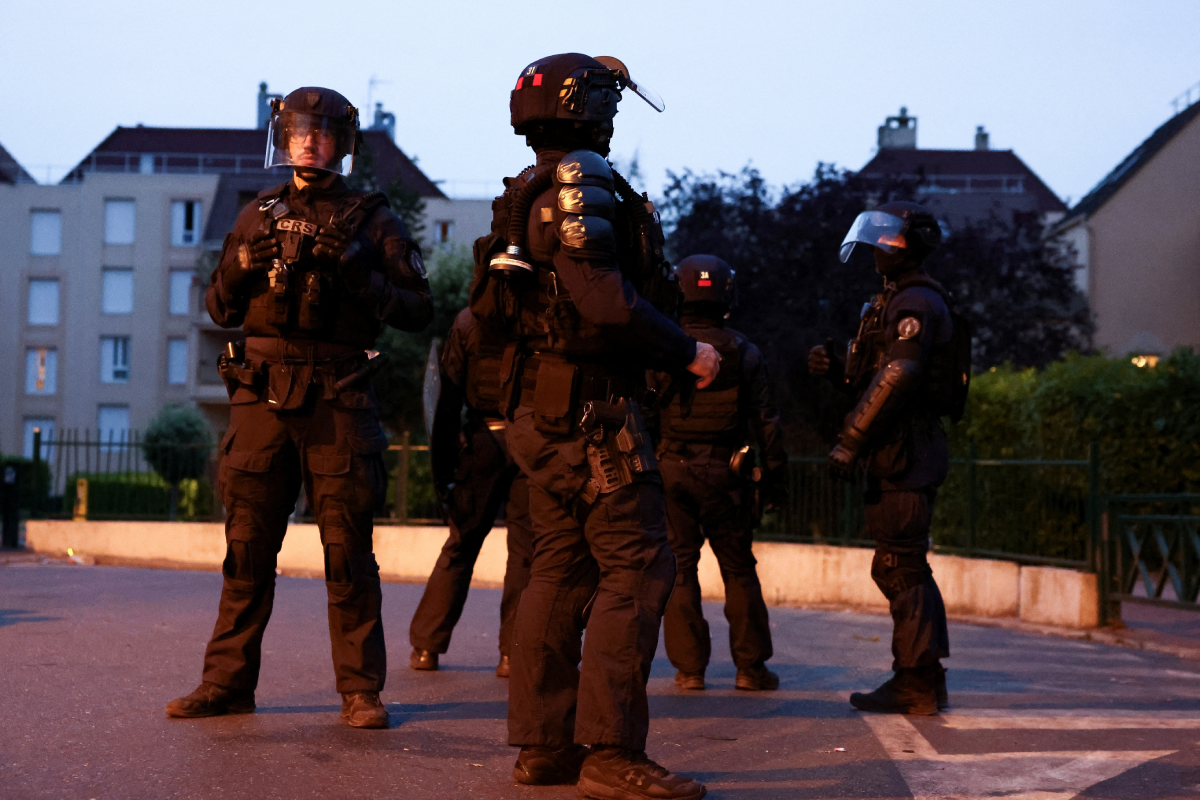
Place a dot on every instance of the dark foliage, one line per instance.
(177, 443)
(1015, 288)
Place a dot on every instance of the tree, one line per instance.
(177, 446)
(1014, 285)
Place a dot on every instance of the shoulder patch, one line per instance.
(908, 327)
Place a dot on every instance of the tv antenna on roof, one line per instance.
(371, 84)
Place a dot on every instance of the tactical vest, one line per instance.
(948, 374)
(298, 297)
(715, 412)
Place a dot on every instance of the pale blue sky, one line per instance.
(1072, 87)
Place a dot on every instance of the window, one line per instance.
(146, 164)
(442, 231)
(177, 359)
(181, 291)
(46, 426)
(185, 223)
(43, 302)
(116, 296)
(45, 233)
(41, 370)
(113, 422)
(118, 221)
(114, 359)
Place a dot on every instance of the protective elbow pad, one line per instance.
(586, 204)
(887, 392)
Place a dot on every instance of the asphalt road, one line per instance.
(90, 655)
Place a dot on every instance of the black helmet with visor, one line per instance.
(313, 128)
(898, 225)
(573, 87)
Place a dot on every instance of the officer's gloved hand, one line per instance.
(705, 365)
(329, 246)
(253, 258)
(824, 363)
(841, 460)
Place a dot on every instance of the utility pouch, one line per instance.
(287, 385)
(278, 278)
(310, 302)
(231, 366)
(553, 397)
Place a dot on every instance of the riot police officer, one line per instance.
(564, 279)
(713, 486)
(475, 477)
(907, 369)
(311, 272)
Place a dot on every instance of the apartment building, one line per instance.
(101, 275)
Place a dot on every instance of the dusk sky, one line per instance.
(1071, 87)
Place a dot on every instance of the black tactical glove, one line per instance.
(355, 271)
(330, 245)
(252, 258)
(823, 362)
(842, 459)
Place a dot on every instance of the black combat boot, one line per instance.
(210, 700)
(504, 668)
(363, 710)
(614, 773)
(943, 697)
(756, 679)
(689, 681)
(908, 691)
(549, 766)
(423, 660)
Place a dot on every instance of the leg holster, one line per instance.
(896, 573)
(619, 448)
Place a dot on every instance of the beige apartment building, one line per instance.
(1137, 237)
(101, 301)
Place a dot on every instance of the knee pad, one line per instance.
(896, 573)
(238, 564)
(338, 567)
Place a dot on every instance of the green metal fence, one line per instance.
(1149, 552)
(1033, 511)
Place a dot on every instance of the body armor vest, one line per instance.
(715, 413)
(299, 297)
(948, 372)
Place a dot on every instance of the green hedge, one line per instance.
(134, 495)
(26, 476)
(1145, 420)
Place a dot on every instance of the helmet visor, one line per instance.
(300, 139)
(876, 228)
(640, 89)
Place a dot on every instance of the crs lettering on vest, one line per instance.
(294, 231)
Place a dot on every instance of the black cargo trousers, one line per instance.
(486, 480)
(332, 447)
(705, 499)
(898, 521)
(609, 569)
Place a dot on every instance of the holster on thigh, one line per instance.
(896, 573)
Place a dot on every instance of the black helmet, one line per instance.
(306, 117)
(898, 225)
(706, 279)
(569, 86)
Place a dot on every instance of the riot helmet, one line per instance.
(313, 128)
(893, 227)
(572, 88)
(706, 279)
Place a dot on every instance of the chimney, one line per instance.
(384, 121)
(264, 105)
(981, 138)
(899, 132)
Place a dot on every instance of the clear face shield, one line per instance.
(315, 141)
(627, 81)
(876, 228)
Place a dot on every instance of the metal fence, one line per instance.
(1028, 510)
(1149, 552)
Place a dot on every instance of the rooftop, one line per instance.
(1133, 162)
(224, 151)
(11, 171)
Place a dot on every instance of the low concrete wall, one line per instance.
(791, 574)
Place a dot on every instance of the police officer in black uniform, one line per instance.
(905, 369)
(311, 272)
(713, 486)
(564, 279)
(475, 478)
